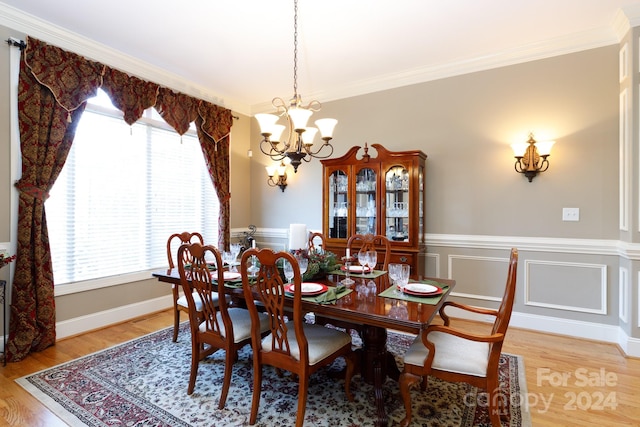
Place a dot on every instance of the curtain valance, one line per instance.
(73, 79)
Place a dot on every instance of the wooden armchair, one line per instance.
(217, 326)
(292, 344)
(455, 355)
(180, 302)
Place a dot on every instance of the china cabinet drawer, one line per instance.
(402, 258)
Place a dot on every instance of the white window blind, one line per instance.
(122, 192)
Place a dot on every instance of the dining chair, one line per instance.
(367, 242)
(454, 355)
(219, 326)
(316, 241)
(292, 344)
(180, 302)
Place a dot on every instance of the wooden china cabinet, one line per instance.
(379, 195)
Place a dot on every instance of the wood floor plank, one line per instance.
(554, 401)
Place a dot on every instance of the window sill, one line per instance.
(103, 282)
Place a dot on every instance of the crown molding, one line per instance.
(65, 39)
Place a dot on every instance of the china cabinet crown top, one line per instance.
(351, 156)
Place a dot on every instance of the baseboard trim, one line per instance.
(571, 328)
(101, 319)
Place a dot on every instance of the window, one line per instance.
(122, 192)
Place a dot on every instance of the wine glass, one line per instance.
(288, 271)
(372, 260)
(303, 263)
(227, 258)
(363, 259)
(394, 275)
(235, 251)
(403, 280)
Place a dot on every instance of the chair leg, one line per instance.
(303, 385)
(226, 382)
(195, 361)
(176, 314)
(348, 375)
(257, 389)
(496, 404)
(406, 381)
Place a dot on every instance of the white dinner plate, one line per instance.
(308, 288)
(230, 275)
(356, 269)
(421, 288)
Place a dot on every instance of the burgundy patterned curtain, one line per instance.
(53, 88)
(214, 124)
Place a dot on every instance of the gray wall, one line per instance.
(477, 206)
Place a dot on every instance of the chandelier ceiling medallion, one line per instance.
(299, 145)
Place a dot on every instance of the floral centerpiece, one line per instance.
(320, 263)
(4, 260)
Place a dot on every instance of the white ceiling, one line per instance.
(240, 52)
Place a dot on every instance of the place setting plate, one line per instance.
(230, 275)
(421, 290)
(356, 269)
(307, 288)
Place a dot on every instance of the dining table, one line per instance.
(371, 305)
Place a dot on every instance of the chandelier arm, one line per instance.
(273, 151)
(316, 154)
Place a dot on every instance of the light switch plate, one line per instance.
(571, 214)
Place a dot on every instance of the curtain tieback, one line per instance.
(32, 190)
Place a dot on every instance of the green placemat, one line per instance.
(237, 283)
(373, 275)
(330, 297)
(390, 292)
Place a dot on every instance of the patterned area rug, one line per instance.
(144, 383)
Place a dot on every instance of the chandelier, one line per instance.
(299, 144)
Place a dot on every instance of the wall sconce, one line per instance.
(279, 172)
(531, 156)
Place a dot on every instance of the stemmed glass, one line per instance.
(394, 275)
(363, 259)
(235, 251)
(288, 270)
(227, 258)
(372, 260)
(303, 263)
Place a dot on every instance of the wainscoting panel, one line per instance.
(623, 302)
(478, 277)
(566, 286)
(432, 265)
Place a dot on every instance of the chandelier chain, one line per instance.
(295, 50)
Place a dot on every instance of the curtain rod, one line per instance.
(16, 43)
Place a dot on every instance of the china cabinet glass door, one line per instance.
(397, 204)
(338, 204)
(366, 196)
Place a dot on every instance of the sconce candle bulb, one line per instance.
(532, 157)
(280, 173)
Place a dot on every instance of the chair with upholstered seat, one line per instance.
(180, 302)
(316, 242)
(292, 345)
(218, 326)
(458, 356)
(370, 242)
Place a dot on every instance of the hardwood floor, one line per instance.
(570, 382)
